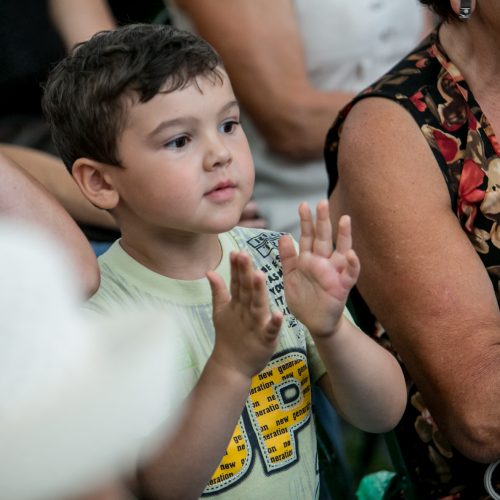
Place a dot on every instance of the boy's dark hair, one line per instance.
(441, 7)
(85, 96)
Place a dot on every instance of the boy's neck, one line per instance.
(183, 258)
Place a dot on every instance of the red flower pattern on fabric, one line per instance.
(416, 100)
(473, 123)
(447, 145)
(469, 193)
(422, 63)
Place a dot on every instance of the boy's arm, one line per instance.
(246, 337)
(364, 381)
(185, 464)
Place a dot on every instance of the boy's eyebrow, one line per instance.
(183, 120)
(166, 124)
(229, 105)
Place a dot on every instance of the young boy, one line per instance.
(146, 120)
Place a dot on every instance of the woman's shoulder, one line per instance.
(406, 83)
(394, 112)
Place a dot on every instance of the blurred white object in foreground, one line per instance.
(77, 398)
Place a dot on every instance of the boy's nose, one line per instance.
(217, 154)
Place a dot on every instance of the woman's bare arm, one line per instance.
(24, 198)
(51, 172)
(78, 20)
(420, 274)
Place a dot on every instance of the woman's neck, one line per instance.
(474, 47)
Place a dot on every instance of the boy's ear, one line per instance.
(95, 183)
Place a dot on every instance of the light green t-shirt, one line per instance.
(272, 453)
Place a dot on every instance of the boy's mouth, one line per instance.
(222, 191)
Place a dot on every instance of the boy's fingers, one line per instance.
(246, 278)
(274, 325)
(220, 295)
(353, 264)
(286, 251)
(323, 244)
(235, 279)
(339, 262)
(259, 298)
(344, 239)
(306, 228)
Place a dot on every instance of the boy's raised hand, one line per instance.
(246, 332)
(319, 279)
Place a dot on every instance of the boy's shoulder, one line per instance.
(124, 282)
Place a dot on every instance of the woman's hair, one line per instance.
(441, 7)
(87, 95)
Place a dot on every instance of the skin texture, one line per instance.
(24, 198)
(421, 276)
(180, 148)
(52, 173)
(78, 20)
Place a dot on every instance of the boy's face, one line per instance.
(187, 163)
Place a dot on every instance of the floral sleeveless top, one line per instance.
(430, 87)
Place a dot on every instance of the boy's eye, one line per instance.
(229, 126)
(177, 143)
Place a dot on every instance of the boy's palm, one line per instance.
(246, 332)
(318, 280)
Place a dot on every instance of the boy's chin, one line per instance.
(224, 225)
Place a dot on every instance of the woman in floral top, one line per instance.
(415, 161)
